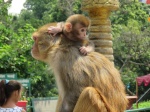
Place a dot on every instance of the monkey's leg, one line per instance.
(91, 101)
(59, 103)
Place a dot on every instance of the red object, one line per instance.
(143, 79)
(147, 1)
(22, 104)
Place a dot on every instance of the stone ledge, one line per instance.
(102, 43)
(102, 28)
(100, 35)
(95, 22)
(105, 51)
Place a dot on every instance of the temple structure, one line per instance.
(100, 30)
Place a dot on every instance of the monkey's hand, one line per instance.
(84, 50)
(54, 30)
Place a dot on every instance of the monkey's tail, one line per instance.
(109, 108)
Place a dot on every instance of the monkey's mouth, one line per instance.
(34, 50)
(82, 38)
(34, 54)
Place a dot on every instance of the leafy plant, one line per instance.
(144, 104)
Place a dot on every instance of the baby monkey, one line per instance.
(75, 28)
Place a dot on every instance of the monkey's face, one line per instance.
(42, 44)
(80, 31)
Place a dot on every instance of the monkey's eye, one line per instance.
(82, 30)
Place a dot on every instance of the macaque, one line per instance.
(75, 28)
(88, 83)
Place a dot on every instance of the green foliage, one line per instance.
(142, 104)
(131, 10)
(41, 12)
(70, 7)
(16, 58)
(53, 13)
(4, 11)
(131, 41)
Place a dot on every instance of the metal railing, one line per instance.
(139, 110)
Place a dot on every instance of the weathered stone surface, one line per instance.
(99, 13)
(100, 35)
(111, 4)
(102, 43)
(102, 28)
(103, 50)
(95, 22)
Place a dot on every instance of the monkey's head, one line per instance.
(76, 27)
(43, 43)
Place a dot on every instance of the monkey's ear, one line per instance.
(68, 27)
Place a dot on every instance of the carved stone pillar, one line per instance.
(100, 30)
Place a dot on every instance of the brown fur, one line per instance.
(72, 26)
(75, 29)
(78, 18)
(88, 83)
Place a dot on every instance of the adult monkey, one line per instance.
(88, 83)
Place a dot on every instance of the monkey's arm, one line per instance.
(89, 47)
(56, 29)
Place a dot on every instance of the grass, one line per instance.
(144, 104)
